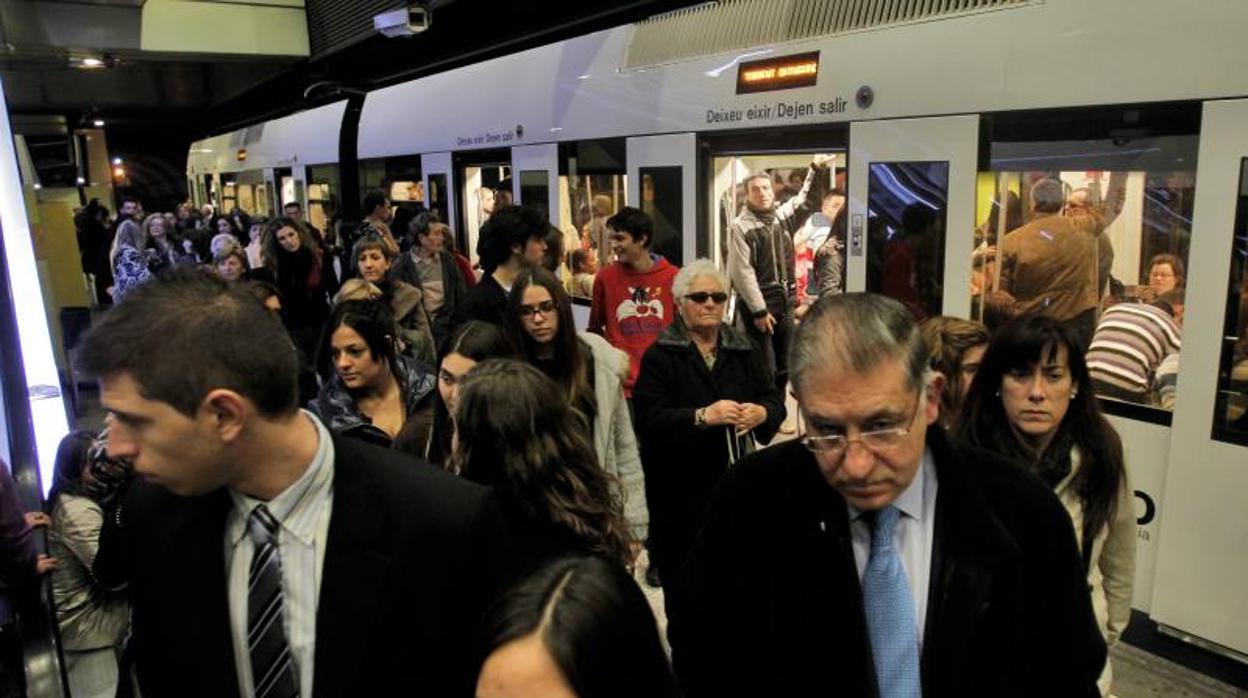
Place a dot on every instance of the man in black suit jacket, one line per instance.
(772, 598)
(200, 384)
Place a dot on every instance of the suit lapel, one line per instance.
(354, 578)
(202, 538)
(970, 546)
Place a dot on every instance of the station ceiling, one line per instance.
(189, 95)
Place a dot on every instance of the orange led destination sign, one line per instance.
(787, 72)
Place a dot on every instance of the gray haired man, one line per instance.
(883, 558)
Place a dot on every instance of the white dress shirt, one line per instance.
(303, 509)
(912, 537)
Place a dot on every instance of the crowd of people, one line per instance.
(418, 478)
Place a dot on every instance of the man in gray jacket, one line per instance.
(761, 260)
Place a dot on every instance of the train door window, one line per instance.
(436, 196)
(906, 204)
(661, 200)
(592, 185)
(535, 190)
(323, 196)
(819, 228)
(1095, 232)
(1230, 421)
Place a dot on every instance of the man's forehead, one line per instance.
(834, 391)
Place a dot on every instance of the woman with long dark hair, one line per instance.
(577, 627)
(468, 346)
(1032, 399)
(591, 373)
(370, 390)
(515, 432)
(304, 278)
(93, 620)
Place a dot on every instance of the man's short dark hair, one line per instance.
(189, 332)
(292, 204)
(373, 199)
(510, 225)
(635, 222)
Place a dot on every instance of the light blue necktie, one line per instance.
(890, 613)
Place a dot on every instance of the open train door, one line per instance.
(1199, 592)
(661, 175)
(911, 201)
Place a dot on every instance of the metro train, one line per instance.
(949, 104)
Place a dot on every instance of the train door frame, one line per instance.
(670, 150)
(952, 139)
(460, 161)
(1200, 555)
(818, 138)
(542, 157)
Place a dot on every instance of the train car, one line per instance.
(945, 105)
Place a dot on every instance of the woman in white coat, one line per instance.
(539, 321)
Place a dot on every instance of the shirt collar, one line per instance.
(911, 500)
(302, 493)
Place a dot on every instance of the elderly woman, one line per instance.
(703, 397)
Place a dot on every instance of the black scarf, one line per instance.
(767, 217)
(1054, 464)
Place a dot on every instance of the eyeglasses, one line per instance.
(719, 297)
(545, 308)
(875, 440)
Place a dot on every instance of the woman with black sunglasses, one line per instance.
(703, 397)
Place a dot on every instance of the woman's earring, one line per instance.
(1073, 393)
(998, 393)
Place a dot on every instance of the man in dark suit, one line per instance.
(264, 556)
(875, 557)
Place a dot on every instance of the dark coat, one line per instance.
(412, 559)
(337, 409)
(683, 462)
(454, 289)
(487, 302)
(770, 603)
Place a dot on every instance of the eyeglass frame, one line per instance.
(810, 442)
(528, 311)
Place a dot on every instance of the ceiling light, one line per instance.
(117, 161)
(38, 186)
(98, 123)
(92, 62)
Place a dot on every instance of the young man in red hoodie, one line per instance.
(633, 300)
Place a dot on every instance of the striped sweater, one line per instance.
(1130, 342)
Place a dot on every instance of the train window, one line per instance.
(592, 185)
(906, 206)
(1095, 224)
(1104, 251)
(398, 176)
(535, 190)
(661, 199)
(821, 231)
(1230, 417)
